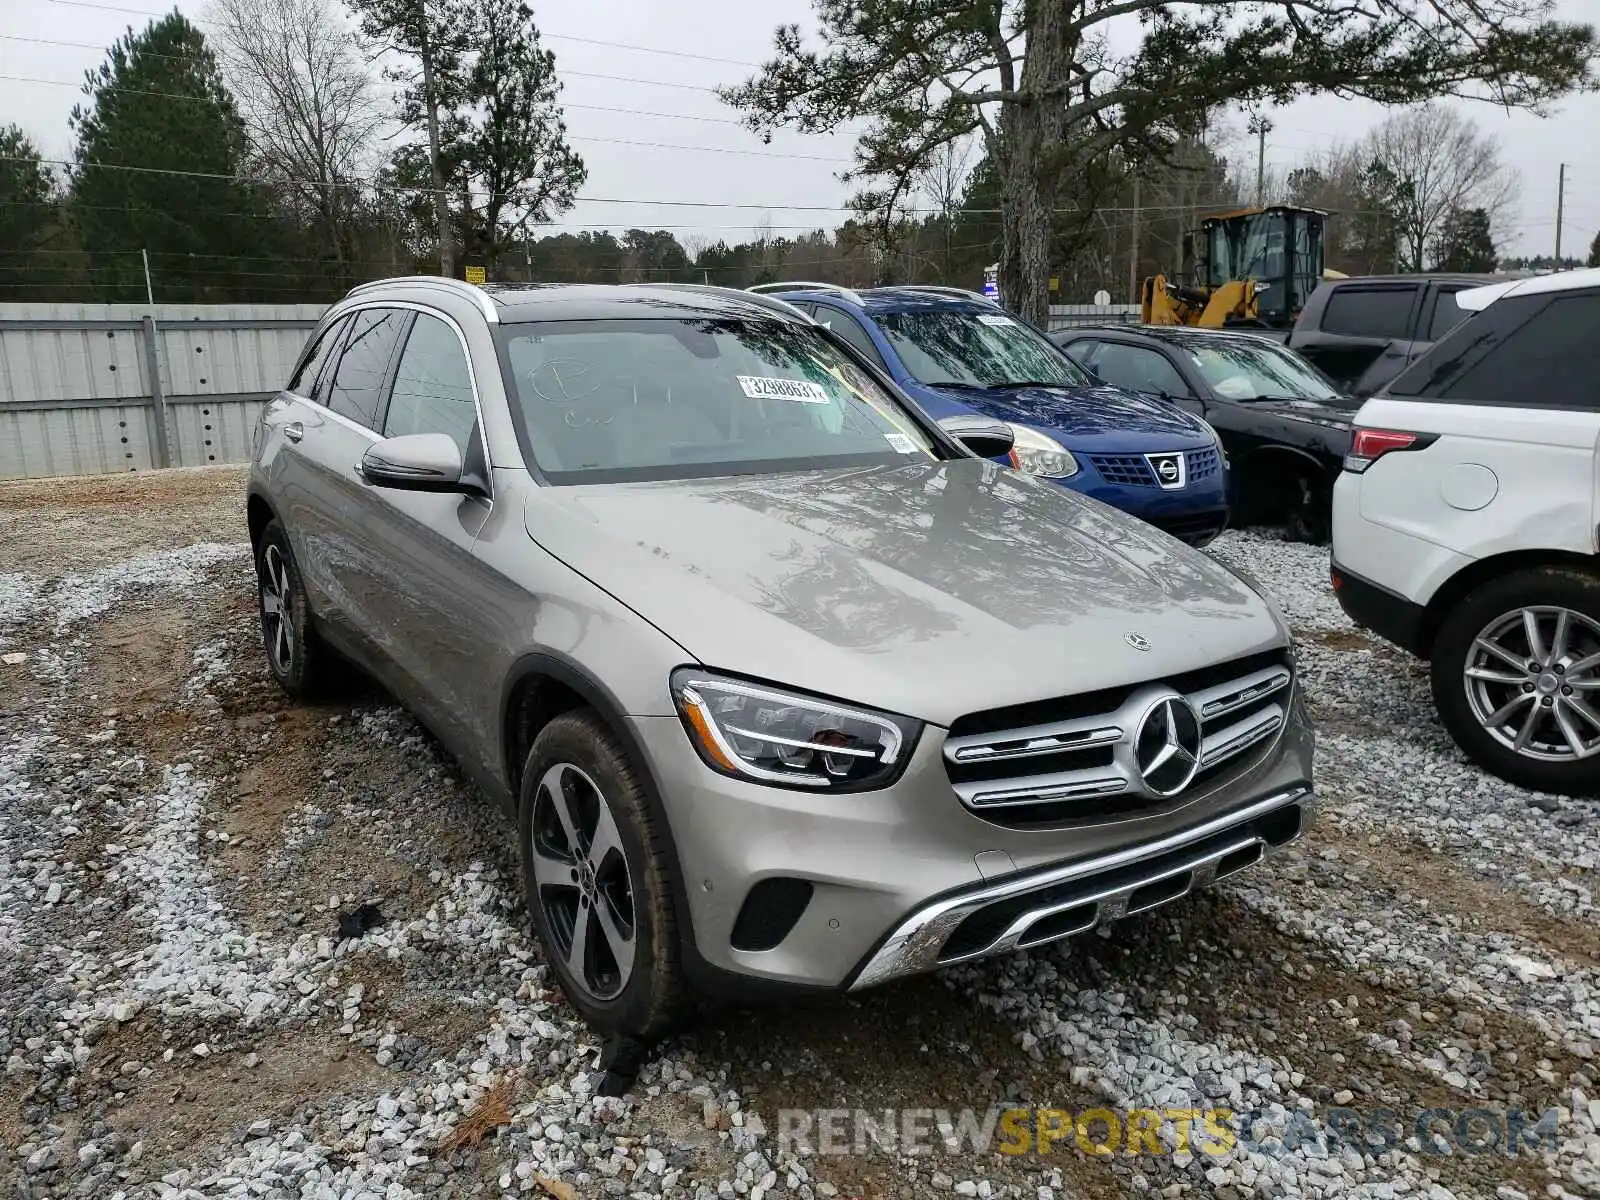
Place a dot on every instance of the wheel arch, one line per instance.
(259, 513)
(1481, 571)
(1260, 478)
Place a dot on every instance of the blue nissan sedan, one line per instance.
(954, 352)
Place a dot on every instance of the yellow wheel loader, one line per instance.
(1258, 266)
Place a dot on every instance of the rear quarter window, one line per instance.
(1369, 312)
(1538, 351)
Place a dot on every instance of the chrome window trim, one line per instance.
(472, 375)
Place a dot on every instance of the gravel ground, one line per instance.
(181, 1017)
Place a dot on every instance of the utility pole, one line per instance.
(1133, 252)
(1260, 126)
(1561, 204)
(430, 100)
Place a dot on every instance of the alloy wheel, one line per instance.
(583, 884)
(1532, 678)
(276, 621)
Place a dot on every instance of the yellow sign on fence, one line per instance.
(476, 275)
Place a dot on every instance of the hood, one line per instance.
(1096, 418)
(931, 589)
(1337, 414)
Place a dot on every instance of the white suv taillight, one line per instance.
(1369, 445)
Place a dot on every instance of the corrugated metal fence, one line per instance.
(1068, 316)
(88, 389)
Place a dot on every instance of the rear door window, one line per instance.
(1538, 351)
(1370, 312)
(364, 364)
(305, 376)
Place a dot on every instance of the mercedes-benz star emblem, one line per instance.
(1166, 748)
(1137, 640)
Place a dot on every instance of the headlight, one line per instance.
(754, 732)
(1038, 454)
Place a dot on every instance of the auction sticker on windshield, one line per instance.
(901, 443)
(802, 391)
(994, 319)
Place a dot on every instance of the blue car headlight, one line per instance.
(1039, 454)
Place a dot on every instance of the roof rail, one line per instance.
(761, 301)
(937, 290)
(806, 285)
(459, 286)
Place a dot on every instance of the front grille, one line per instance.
(1075, 759)
(1134, 470)
(1124, 468)
(1203, 464)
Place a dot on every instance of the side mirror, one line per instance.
(417, 462)
(984, 436)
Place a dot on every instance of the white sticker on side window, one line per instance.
(994, 319)
(901, 443)
(802, 391)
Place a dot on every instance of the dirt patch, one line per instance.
(191, 1102)
(1340, 639)
(53, 526)
(1481, 905)
(910, 1045)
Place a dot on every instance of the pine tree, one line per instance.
(159, 146)
(1465, 242)
(28, 216)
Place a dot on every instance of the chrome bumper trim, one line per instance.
(916, 945)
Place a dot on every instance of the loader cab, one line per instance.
(1279, 247)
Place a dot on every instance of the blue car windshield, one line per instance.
(968, 348)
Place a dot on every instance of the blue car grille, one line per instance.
(1124, 468)
(1203, 464)
(1134, 471)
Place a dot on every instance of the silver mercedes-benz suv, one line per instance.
(785, 685)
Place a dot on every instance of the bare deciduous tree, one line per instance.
(1442, 163)
(311, 109)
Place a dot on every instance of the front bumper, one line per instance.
(848, 886)
(1043, 906)
(1195, 513)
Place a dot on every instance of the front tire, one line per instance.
(596, 874)
(1310, 515)
(1516, 677)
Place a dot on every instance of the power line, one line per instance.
(564, 72)
(630, 112)
(555, 37)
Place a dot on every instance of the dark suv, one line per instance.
(1363, 332)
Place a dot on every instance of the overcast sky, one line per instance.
(789, 185)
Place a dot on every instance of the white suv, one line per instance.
(1466, 527)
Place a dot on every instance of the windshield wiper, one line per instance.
(957, 384)
(1022, 383)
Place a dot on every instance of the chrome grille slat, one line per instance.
(1062, 767)
(1058, 737)
(1239, 737)
(1228, 697)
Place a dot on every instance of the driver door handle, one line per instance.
(294, 431)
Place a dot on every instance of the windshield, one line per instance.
(1240, 370)
(601, 401)
(968, 348)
